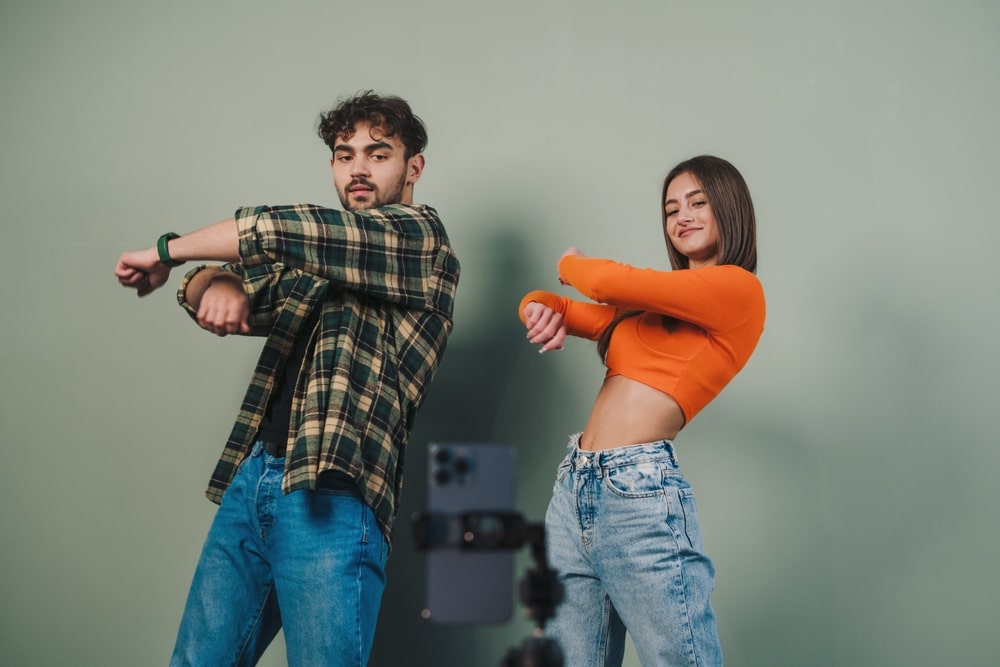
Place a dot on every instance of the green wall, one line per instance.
(846, 479)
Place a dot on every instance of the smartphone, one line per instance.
(470, 585)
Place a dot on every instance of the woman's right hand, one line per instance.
(545, 326)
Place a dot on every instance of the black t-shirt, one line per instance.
(274, 425)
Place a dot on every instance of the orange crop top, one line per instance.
(721, 313)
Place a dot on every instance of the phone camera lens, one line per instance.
(442, 476)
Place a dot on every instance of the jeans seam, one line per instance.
(254, 625)
(605, 637)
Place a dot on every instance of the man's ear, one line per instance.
(414, 168)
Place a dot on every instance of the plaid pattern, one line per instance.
(384, 281)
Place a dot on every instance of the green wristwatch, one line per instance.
(161, 249)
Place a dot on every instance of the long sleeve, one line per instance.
(583, 320)
(399, 254)
(715, 298)
(267, 286)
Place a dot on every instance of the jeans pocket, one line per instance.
(562, 470)
(636, 480)
(692, 527)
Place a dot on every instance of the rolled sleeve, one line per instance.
(251, 226)
(186, 280)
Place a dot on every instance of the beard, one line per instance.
(372, 199)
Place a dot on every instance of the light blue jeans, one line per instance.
(313, 561)
(623, 533)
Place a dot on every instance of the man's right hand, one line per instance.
(224, 307)
(141, 270)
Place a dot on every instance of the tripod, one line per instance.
(541, 593)
(540, 590)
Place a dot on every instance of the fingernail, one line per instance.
(542, 351)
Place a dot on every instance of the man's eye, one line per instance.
(379, 157)
(344, 158)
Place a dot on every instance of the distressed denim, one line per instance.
(310, 561)
(622, 531)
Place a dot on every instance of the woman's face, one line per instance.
(691, 225)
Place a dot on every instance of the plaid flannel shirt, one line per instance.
(384, 281)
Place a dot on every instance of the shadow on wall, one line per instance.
(483, 392)
(847, 519)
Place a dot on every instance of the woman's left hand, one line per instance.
(570, 252)
(545, 327)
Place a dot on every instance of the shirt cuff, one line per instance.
(251, 226)
(549, 299)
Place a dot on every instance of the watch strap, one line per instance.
(164, 254)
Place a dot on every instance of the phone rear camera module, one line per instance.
(451, 466)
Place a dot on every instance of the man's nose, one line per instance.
(359, 166)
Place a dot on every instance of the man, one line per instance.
(356, 306)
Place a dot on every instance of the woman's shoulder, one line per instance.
(730, 275)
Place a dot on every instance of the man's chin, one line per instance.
(354, 203)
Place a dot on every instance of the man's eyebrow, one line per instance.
(378, 145)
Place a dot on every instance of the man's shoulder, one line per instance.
(407, 210)
(409, 218)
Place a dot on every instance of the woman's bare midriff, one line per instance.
(627, 412)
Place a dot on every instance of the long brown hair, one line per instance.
(729, 196)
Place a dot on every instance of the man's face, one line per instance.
(370, 170)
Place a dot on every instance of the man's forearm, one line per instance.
(201, 281)
(218, 242)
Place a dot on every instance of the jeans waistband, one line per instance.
(327, 479)
(619, 456)
(273, 448)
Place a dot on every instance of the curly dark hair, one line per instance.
(390, 114)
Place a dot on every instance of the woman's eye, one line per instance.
(671, 212)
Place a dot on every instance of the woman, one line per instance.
(621, 528)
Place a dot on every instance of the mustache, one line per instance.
(361, 181)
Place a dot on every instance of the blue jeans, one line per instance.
(623, 533)
(313, 561)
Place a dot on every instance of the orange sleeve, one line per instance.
(583, 320)
(715, 298)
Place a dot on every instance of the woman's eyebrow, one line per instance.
(687, 195)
